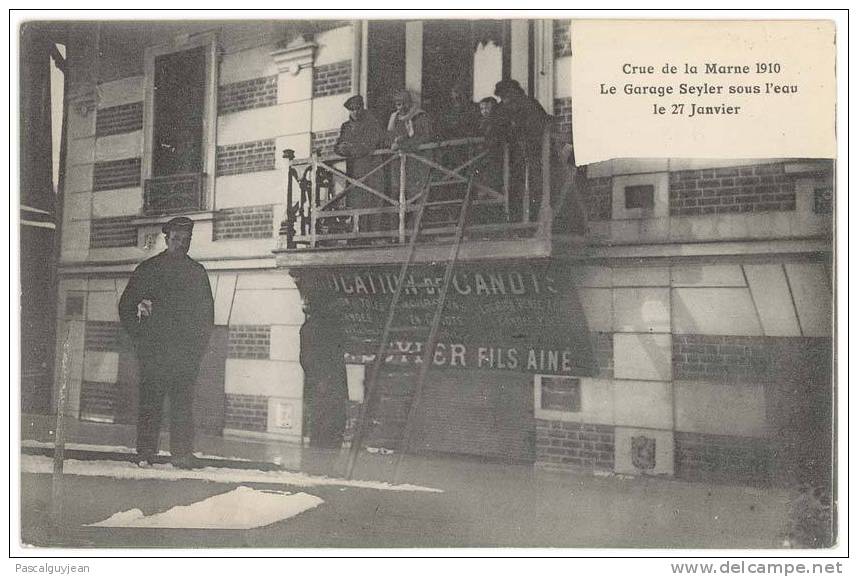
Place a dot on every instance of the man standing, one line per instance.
(527, 121)
(360, 135)
(168, 310)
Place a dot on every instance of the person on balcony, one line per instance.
(409, 126)
(462, 118)
(527, 122)
(359, 137)
(495, 129)
(168, 310)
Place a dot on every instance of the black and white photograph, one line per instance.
(388, 283)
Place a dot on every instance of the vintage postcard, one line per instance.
(531, 281)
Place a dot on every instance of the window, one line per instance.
(640, 196)
(179, 125)
(178, 122)
(560, 394)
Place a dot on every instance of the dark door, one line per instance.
(448, 60)
(386, 70)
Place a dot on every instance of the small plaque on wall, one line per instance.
(560, 393)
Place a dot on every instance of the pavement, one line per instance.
(438, 501)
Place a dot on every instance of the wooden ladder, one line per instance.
(390, 327)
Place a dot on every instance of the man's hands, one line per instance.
(144, 309)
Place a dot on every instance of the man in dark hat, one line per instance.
(360, 135)
(168, 310)
(527, 121)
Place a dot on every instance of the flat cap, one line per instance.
(180, 222)
(354, 103)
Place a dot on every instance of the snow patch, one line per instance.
(124, 470)
(241, 508)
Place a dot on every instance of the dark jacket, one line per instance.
(359, 137)
(526, 119)
(179, 327)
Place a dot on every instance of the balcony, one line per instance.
(365, 214)
(174, 193)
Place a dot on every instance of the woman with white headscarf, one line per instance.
(409, 126)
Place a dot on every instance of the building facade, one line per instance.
(701, 290)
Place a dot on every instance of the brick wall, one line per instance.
(109, 175)
(332, 79)
(760, 188)
(598, 193)
(823, 200)
(244, 223)
(563, 118)
(119, 119)
(603, 349)
(722, 357)
(97, 401)
(253, 93)
(105, 336)
(723, 458)
(249, 342)
(324, 141)
(112, 232)
(574, 445)
(245, 412)
(562, 38)
(246, 157)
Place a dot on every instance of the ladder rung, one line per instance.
(437, 223)
(445, 183)
(458, 201)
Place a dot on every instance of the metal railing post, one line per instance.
(314, 196)
(402, 197)
(289, 217)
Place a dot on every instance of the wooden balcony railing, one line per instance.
(174, 193)
(327, 206)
